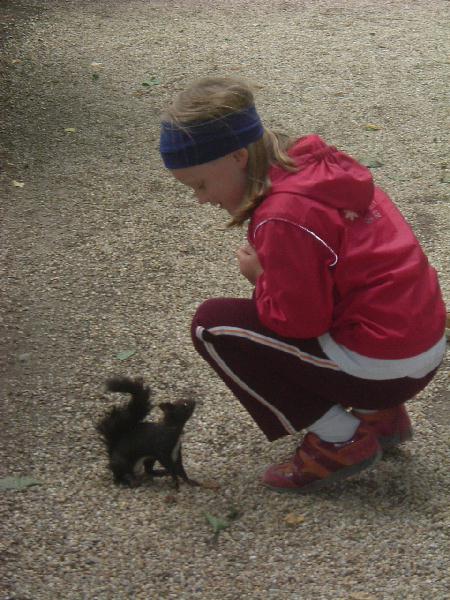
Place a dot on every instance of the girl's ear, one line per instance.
(241, 157)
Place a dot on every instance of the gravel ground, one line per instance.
(104, 253)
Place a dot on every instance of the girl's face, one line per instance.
(221, 182)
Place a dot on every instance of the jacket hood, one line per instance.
(326, 175)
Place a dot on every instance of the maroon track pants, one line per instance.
(285, 384)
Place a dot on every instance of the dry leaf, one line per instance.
(170, 499)
(293, 519)
(70, 129)
(209, 484)
(18, 184)
(372, 127)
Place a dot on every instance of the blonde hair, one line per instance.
(212, 98)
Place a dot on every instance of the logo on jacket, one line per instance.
(351, 215)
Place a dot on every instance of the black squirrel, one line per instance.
(131, 443)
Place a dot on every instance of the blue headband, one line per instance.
(200, 142)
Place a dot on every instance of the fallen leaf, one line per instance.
(18, 184)
(125, 354)
(17, 483)
(170, 499)
(70, 129)
(371, 162)
(209, 484)
(152, 81)
(97, 65)
(372, 127)
(218, 524)
(293, 519)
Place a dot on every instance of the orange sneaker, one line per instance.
(392, 426)
(317, 463)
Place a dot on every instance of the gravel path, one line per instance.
(103, 253)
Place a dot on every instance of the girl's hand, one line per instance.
(249, 264)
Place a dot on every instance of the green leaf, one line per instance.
(371, 162)
(152, 81)
(445, 177)
(95, 76)
(17, 483)
(217, 523)
(125, 354)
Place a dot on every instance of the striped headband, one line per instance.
(196, 143)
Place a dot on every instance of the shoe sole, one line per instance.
(337, 476)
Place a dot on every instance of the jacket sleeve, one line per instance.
(294, 295)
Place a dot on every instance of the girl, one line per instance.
(346, 321)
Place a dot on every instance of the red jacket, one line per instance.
(339, 259)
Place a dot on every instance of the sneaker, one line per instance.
(317, 463)
(392, 426)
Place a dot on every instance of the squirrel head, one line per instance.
(178, 412)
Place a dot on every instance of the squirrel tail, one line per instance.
(120, 419)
